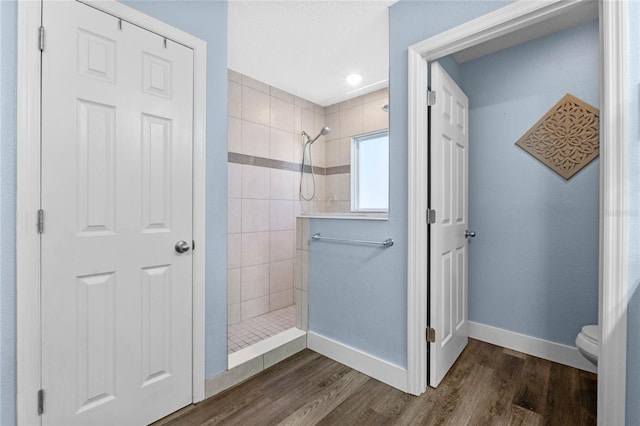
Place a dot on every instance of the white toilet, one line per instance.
(587, 343)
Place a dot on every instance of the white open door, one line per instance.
(117, 124)
(449, 160)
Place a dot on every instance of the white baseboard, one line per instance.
(556, 352)
(377, 368)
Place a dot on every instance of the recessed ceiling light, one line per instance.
(354, 79)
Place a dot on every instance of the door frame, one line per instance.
(28, 254)
(613, 187)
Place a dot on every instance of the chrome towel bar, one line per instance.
(386, 243)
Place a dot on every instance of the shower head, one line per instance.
(325, 131)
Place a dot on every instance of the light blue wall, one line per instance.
(206, 20)
(358, 295)
(533, 268)
(633, 319)
(8, 58)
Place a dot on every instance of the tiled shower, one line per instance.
(264, 158)
(265, 152)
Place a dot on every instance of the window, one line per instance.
(370, 172)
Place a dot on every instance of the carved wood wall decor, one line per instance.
(566, 138)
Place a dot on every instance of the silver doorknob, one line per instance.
(182, 247)
(469, 234)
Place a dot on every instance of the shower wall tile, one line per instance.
(234, 129)
(282, 114)
(281, 215)
(281, 245)
(234, 76)
(281, 276)
(350, 103)
(281, 145)
(307, 122)
(317, 152)
(255, 139)
(378, 94)
(266, 123)
(304, 103)
(254, 307)
(234, 102)
(234, 188)
(255, 84)
(345, 152)
(255, 182)
(280, 300)
(255, 215)
(282, 184)
(233, 286)
(332, 109)
(234, 251)
(333, 121)
(332, 188)
(332, 153)
(255, 248)
(374, 118)
(351, 122)
(345, 187)
(233, 313)
(255, 106)
(281, 94)
(254, 282)
(234, 216)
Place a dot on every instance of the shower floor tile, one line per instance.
(246, 333)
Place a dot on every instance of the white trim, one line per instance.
(27, 204)
(613, 165)
(545, 349)
(418, 253)
(612, 315)
(377, 368)
(28, 201)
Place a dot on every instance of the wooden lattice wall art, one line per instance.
(567, 138)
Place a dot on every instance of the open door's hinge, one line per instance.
(431, 98)
(431, 335)
(41, 38)
(40, 402)
(431, 216)
(40, 221)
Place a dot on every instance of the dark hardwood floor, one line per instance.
(488, 385)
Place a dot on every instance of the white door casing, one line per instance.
(613, 259)
(117, 134)
(449, 142)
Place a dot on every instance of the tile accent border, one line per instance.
(250, 160)
(338, 170)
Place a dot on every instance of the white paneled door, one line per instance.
(449, 142)
(117, 119)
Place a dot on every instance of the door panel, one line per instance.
(117, 111)
(449, 141)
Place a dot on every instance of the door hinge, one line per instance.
(41, 38)
(431, 216)
(40, 402)
(40, 221)
(431, 335)
(431, 98)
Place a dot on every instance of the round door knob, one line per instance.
(469, 234)
(182, 247)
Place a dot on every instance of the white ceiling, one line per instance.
(308, 47)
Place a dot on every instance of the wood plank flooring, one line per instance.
(488, 385)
